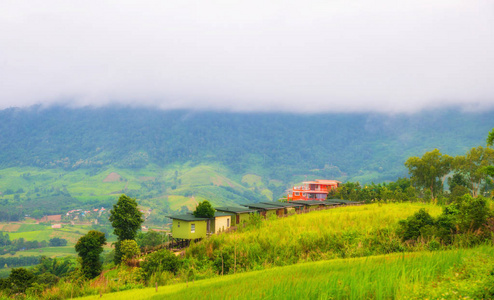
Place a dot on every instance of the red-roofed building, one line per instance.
(313, 190)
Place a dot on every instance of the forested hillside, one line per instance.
(172, 159)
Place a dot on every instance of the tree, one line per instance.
(204, 210)
(129, 250)
(490, 138)
(57, 242)
(89, 248)
(457, 180)
(413, 227)
(20, 279)
(427, 171)
(489, 170)
(473, 164)
(150, 239)
(126, 220)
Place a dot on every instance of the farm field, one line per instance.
(40, 232)
(452, 274)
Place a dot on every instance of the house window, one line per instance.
(192, 228)
(227, 222)
(297, 193)
(178, 224)
(304, 194)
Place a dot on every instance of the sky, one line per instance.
(290, 56)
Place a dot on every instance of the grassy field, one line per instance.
(353, 231)
(446, 275)
(39, 232)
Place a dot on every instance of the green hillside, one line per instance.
(56, 159)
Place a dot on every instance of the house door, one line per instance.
(237, 219)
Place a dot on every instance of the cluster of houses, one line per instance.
(78, 214)
(189, 227)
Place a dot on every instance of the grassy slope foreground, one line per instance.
(453, 274)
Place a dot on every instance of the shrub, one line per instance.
(162, 260)
(473, 213)
(129, 249)
(410, 229)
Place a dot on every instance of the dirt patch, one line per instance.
(112, 177)
(11, 227)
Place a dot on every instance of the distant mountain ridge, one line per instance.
(280, 149)
(350, 143)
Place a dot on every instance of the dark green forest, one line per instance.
(336, 145)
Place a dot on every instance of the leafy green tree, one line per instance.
(427, 171)
(126, 220)
(472, 166)
(457, 180)
(20, 279)
(473, 213)
(490, 138)
(204, 210)
(129, 250)
(89, 248)
(150, 239)
(57, 242)
(489, 170)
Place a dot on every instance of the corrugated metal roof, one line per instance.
(187, 217)
(262, 206)
(309, 202)
(283, 204)
(235, 209)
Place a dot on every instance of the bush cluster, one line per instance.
(467, 216)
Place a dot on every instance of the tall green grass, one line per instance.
(395, 276)
(355, 231)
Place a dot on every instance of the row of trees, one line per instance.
(12, 246)
(469, 173)
(471, 170)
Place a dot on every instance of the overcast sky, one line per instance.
(303, 56)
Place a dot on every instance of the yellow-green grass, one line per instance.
(47, 251)
(268, 194)
(353, 231)
(394, 276)
(32, 227)
(205, 175)
(275, 182)
(252, 180)
(176, 202)
(30, 232)
(365, 218)
(37, 235)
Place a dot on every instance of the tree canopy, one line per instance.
(426, 171)
(204, 210)
(472, 165)
(89, 248)
(126, 220)
(490, 138)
